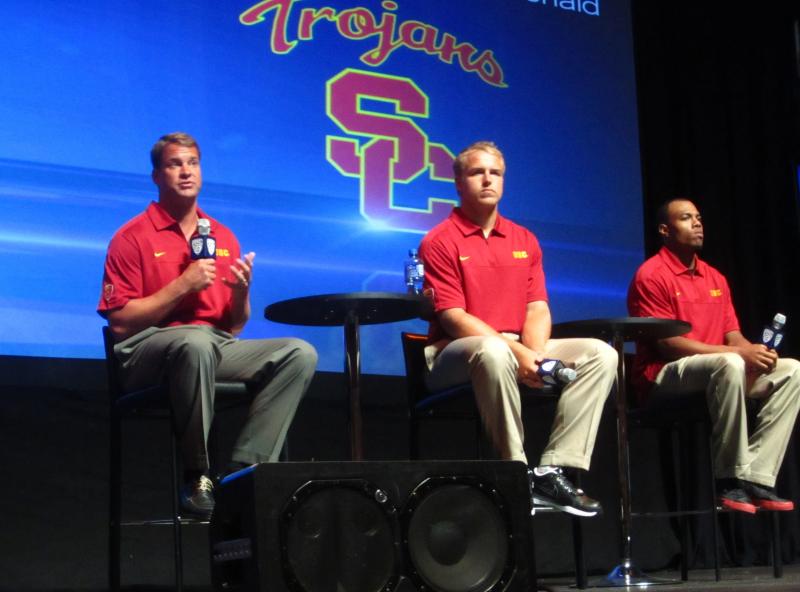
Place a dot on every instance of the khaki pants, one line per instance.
(756, 457)
(191, 358)
(488, 363)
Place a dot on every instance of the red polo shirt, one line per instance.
(150, 251)
(664, 287)
(492, 278)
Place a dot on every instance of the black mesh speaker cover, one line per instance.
(458, 536)
(437, 526)
(339, 536)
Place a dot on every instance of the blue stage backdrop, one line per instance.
(327, 130)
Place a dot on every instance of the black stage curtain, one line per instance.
(719, 96)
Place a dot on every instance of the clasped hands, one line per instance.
(528, 370)
(758, 359)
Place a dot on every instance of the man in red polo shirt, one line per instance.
(492, 327)
(714, 358)
(175, 319)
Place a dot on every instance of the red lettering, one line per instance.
(360, 23)
(356, 23)
(426, 33)
(278, 40)
(309, 17)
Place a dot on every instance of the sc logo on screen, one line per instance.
(396, 150)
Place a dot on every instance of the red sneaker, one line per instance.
(764, 498)
(737, 499)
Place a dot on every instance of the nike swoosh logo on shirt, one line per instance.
(463, 257)
(159, 253)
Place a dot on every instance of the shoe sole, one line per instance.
(190, 511)
(738, 506)
(568, 509)
(197, 514)
(774, 506)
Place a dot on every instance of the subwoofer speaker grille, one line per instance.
(432, 526)
(458, 536)
(340, 536)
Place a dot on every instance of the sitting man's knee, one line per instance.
(730, 362)
(304, 353)
(607, 354)
(494, 347)
(494, 352)
(599, 352)
(197, 346)
(790, 366)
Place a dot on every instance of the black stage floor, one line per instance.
(741, 579)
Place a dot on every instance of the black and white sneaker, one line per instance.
(197, 497)
(552, 488)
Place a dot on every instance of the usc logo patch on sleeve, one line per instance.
(108, 292)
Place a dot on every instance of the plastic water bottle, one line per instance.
(414, 273)
(772, 335)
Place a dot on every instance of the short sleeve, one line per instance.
(122, 275)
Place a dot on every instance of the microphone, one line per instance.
(555, 373)
(202, 244)
(772, 335)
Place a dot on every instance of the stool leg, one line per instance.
(413, 437)
(577, 549)
(714, 513)
(114, 510)
(683, 496)
(480, 438)
(777, 556)
(534, 583)
(577, 546)
(176, 519)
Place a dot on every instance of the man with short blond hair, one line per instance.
(460, 162)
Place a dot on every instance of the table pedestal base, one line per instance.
(626, 574)
(350, 310)
(618, 331)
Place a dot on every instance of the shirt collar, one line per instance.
(467, 226)
(161, 219)
(677, 267)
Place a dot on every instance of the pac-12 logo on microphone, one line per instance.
(203, 247)
(197, 246)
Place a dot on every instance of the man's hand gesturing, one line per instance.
(200, 274)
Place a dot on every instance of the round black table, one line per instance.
(350, 310)
(617, 331)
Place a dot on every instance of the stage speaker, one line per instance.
(437, 526)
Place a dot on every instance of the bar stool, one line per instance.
(458, 403)
(150, 403)
(679, 414)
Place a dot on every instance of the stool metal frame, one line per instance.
(458, 403)
(147, 403)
